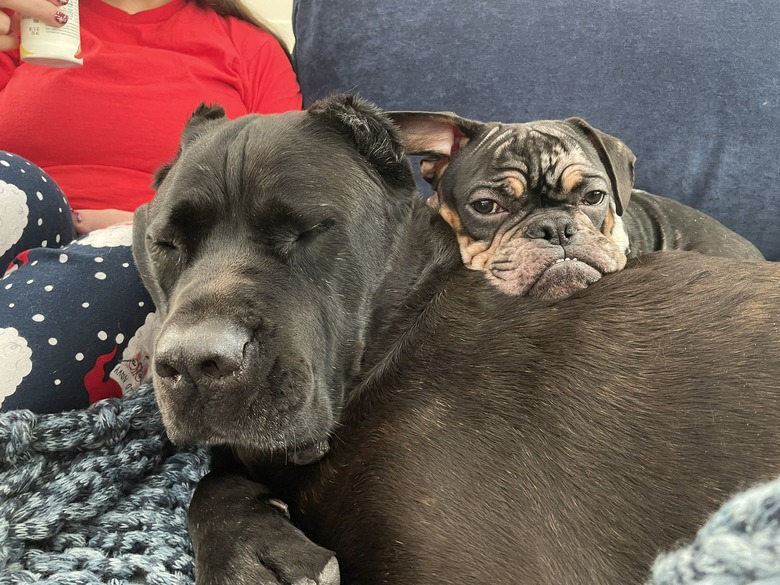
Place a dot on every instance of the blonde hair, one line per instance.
(237, 9)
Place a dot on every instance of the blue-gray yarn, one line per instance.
(95, 496)
(739, 545)
(100, 496)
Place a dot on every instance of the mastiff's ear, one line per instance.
(372, 134)
(142, 260)
(436, 137)
(616, 157)
(202, 119)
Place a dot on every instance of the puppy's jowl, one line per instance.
(546, 208)
(323, 335)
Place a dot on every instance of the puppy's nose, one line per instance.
(204, 352)
(557, 230)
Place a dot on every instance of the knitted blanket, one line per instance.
(100, 496)
(95, 496)
(739, 545)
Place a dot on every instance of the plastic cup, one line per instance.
(42, 44)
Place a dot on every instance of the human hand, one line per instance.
(47, 11)
(87, 220)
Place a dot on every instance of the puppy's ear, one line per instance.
(436, 137)
(372, 134)
(616, 157)
(141, 257)
(202, 119)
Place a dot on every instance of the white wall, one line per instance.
(278, 14)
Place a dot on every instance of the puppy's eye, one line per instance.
(593, 198)
(486, 207)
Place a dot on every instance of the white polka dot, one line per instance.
(102, 335)
(52, 341)
(125, 265)
(79, 357)
(85, 305)
(33, 263)
(43, 243)
(119, 338)
(15, 361)
(63, 258)
(98, 259)
(57, 239)
(11, 305)
(30, 281)
(100, 275)
(37, 317)
(48, 288)
(140, 303)
(14, 215)
(9, 285)
(57, 382)
(5, 163)
(39, 195)
(40, 221)
(44, 179)
(22, 170)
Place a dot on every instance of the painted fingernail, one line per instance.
(60, 17)
(63, 2)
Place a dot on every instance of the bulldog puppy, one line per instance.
(543, 208)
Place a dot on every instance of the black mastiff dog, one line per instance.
(322, 334)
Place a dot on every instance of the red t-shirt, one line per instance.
(102, 130)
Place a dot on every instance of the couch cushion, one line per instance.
(693, 87)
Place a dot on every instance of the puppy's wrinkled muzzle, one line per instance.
(203, 354)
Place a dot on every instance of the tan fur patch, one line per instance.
(571, 178)
(609, 224)
(451, 217)
(515, 186)
(428, 169)
(475, 254)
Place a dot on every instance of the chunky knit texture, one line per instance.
(739, 545)
(95, 496)
(100, 496)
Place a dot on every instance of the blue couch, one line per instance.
(693, 88)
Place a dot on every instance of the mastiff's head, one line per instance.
(263, 248)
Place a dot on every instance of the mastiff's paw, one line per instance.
(241, 535)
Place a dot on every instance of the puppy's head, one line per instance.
(264, 245)
(535, 206)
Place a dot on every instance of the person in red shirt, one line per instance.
(78, 151)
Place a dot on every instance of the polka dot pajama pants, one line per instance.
(76, 323)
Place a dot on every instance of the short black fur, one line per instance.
(420, 424)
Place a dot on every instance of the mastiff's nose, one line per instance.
(203, 353)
